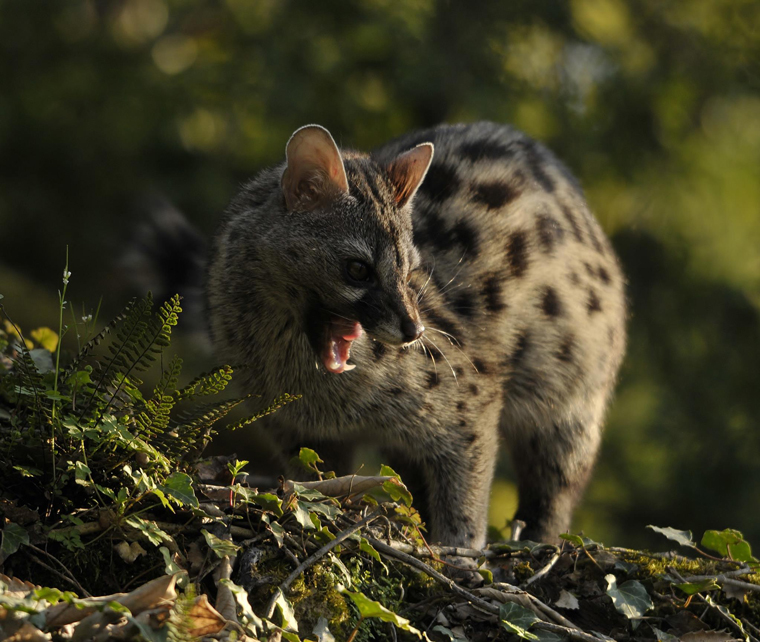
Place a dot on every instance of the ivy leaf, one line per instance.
(684, 538)
(309, 460)
(370, 608)
(179, 486)
(630, 598)
(302, 516)
(517, 620)
(14, 536)
(322, 631)
(266, 501)
(222, 547)
(149, 529)
(728, 543)
(690, 588)
(241, 597)
(285, 608)
(397, 491)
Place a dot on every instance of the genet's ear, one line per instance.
(315, 174)
(407, 171)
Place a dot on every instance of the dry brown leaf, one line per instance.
(29, 633)
(567, 601)
(17, 587)
(206, 620)
(129, 552)
(708, 636)
(736, 592)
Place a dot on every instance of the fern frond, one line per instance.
(274, 407)
(93, 343)
(209, 383)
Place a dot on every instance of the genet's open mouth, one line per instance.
(340, 334)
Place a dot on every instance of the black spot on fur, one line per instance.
(464, 234)
(589, 270)
(492, 293)
(574, 278)
(396, 391)
(471, 438)
(592, 234)
(550, 303)
(464, 304)
(463, 423)
(480, 366)
(461, 406)
(593, 304)
(485, 149)
(494, 195)
(565, 352)
(474, 390)
(517, 253)
(604, 276)
(570, 217)
(378, 350)
(550, 232)
(518, 354)
(611, 335)
(537, 165)
(429, 228)
(432, 379)
(441, 182)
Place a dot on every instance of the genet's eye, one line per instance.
(358, 270)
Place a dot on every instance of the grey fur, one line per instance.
(519, 290)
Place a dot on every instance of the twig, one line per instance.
(547, 567)
(728, 618)
(70, 580)
(70, 575)
(314, 557)
(435, 551)
(473, 599)
(721, 576)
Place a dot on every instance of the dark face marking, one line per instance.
(550, 232)
(492, 293)
(517, 253)
(494, 195)
(480, 366)
(441, 182)
(432, 379)
(464, 304)
(485, 149)
(570, 217)
(550, 303)
(378, 350)
(593, 304)
(464, 234)
(565, 352)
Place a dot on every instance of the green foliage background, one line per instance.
(656, 107)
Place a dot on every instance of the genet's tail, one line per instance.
(167, 256)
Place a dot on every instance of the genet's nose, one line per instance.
(412, 329)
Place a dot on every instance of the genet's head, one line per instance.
(350, 242)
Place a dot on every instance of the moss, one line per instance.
(522, 571)
(650, 568)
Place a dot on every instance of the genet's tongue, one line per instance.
(340, 334)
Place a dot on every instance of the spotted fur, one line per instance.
(512, 277)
